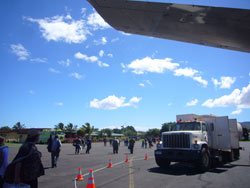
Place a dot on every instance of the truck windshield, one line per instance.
(187, 126)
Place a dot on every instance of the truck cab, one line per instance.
(184, 143)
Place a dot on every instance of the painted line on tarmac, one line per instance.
(131, 177)
(115, 164)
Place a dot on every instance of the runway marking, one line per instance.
(131, 177)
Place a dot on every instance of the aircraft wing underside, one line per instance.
(226, 28)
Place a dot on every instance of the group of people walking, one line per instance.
(27, 166)
(79, 144)
(147, 143)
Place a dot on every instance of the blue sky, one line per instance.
(61, 62)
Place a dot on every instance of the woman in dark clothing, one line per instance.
(27, 163)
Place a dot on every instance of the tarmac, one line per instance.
(137, 173)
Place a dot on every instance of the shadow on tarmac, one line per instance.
(176, 169)
(179, 169)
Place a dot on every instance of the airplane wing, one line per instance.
(227, 28)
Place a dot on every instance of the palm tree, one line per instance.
(18, 126)
(60, 126)
(88, 129)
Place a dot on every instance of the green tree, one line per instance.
(129, 131)
(70, 128)
(60, 126)
(118, 131)
(167, 126)
(153, 133)
(108, 132)
(18, 126)
(5, 128)
(88, 128)
(80, 132)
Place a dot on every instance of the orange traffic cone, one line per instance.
(79, 175)
(146, 156)
(91, 182)
(126, 159)
(110, 163)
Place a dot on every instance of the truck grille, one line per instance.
(176, 141)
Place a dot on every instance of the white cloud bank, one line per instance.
(238, 98)
(112, 102)
(225, 82)
(20, 51)
(147, 64)
(192, 103)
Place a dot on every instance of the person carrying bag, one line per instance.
(26, 166)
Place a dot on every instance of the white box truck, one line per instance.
(200, 139)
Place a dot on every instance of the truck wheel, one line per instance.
(162, 163)
(204, 160)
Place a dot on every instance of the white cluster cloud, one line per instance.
(92, 59)
(188, 72)
(192, 73)
(115, 39)
(39, 60)
(60, 28)
(101, 53)
(59, 103)
(65, 63)
(97, 22)
(238, 98)
(24, 54)
(141, 66)
(225, 82)
(84, 57)
(20, 51)
(54, 70)
(145, 82)
(142, 84)
(31, 92)
(147, 64)
(110, 55)
(192, 103)
(102, 41)
(76, 75)
(112, 102)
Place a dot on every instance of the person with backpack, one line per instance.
(55, 151)
(4, 152)
(27, 166)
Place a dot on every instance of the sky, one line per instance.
(61, 62)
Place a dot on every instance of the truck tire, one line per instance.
(205, 160)
(162, 163)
